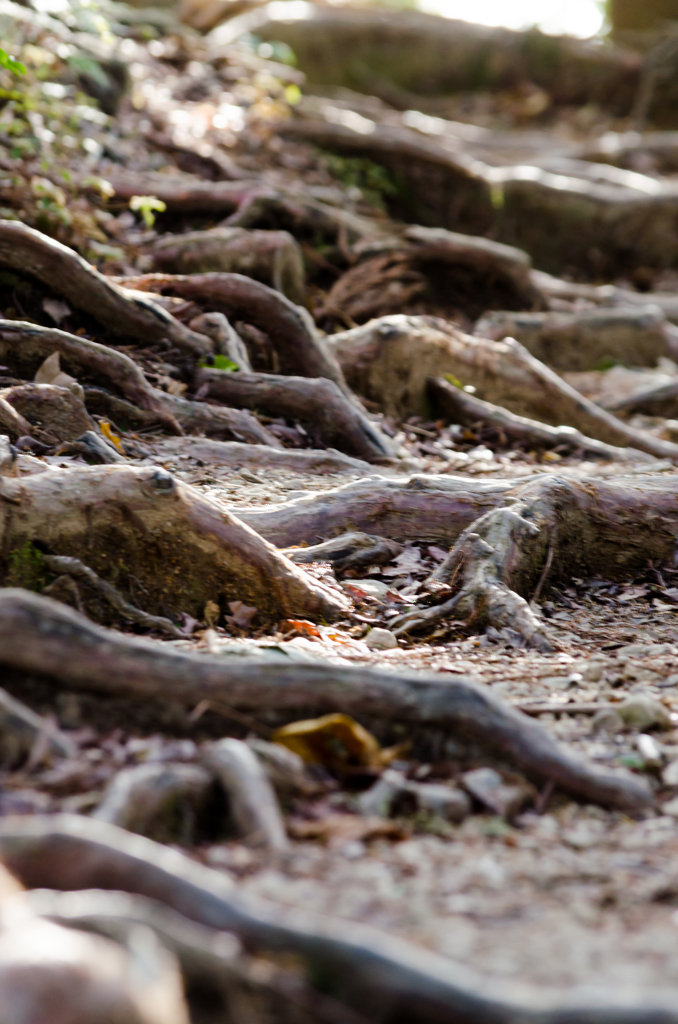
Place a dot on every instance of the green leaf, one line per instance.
(219, 362)
(9, 64)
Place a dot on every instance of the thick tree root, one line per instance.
(272, 257)
(12, 423)
(445, 270)
(124, 522)
(40, 636)
(316, 401)
(299, 347)
(219, 421)
(348, 551)
(460, 407)
(389, 361)
(57, 266)
(387, 979)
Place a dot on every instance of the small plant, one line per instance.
(9, 64)
(219, 362)
(147, 206)
(373, 180)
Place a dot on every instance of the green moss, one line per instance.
(26, 568)
(374, 181)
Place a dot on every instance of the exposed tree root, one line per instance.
(31, 252)
(586, 340)
(349, 551)
(315, 401)
(226, 340)
(11, 422)
(555, 526)
(434, 269)
(390, 360)
(218, 421)
(62, 565)
(657, 400)
(38, 635)
(25, 346)
(124, 522)
(272, 257)
(232, 453)
(419, 508)
(387, 979)
(460, 407)
(290, 328)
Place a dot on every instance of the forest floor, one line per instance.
(552, 891)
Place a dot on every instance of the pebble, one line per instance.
(649, 750)
(671, 807)
(382, 798)
(488, 787)
(670, 774)
(644, 713)
(381, 639)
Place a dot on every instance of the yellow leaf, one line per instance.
(335, 741)
(105, 428)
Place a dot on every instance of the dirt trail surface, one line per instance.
(339, 506)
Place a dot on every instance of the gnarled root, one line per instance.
(317, 402)
(299, 347)
(124, 521)
(40, 636)
(387, 979)
(555, 527)
(390, 361)
(85, 288)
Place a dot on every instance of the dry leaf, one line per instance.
(211, 613)
(335, 741)
(301, 626)
(105, 428)
(241, 614)
(56, 309)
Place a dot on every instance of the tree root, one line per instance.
(226, 340)
(252, 801)
(298, 346)
(390, 360)
(62, 565)
(433, 268)
(25, 346)
(11, 422)
(57, 266)
(272, 257)
(316, 401)
(124, 522)
(460, 407)
(555, 526)
(387, 979)
(348, 551)
(236, 455)
(40, 636)
(219, 421)
(586, 340)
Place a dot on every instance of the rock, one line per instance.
(381, 639)
(649, 750)
(379, 798)
(607, 720)
(670, 774)
(671, 807)
(488, 787)
(55, 410)
(644, 713)
(444, 801)
(393, 789)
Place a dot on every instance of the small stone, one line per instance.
(379, 798)
(644, 713)
(648, 748)
(488, 787)
(671, 807)
(381, 639)
(670, 774)
(445, 801)
(607, 720)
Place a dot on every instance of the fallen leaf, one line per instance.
(56, 309)
(340, 829)
(299, 626)
(211, 613)
(335, 741)
(105, 428)
(241, 614)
